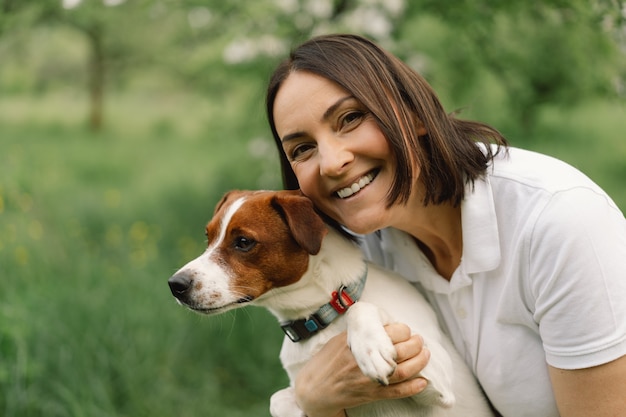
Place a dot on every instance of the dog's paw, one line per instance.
(376, 357)
(373, 350)
(283, 404)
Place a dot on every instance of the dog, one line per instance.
(272, 249)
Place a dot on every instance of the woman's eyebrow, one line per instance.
(329, 111)
(291, 136)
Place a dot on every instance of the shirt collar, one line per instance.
(481, 242)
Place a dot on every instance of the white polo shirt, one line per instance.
(542, 278)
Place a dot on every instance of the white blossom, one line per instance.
(199, 17)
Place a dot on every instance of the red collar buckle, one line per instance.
(341, 301)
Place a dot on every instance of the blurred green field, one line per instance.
(92, 225)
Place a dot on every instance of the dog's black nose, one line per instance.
(180, 284)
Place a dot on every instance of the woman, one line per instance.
(521, 255)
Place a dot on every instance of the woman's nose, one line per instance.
(334, 157)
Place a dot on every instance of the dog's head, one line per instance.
(257, 241)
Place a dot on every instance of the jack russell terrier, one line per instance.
(272, 249)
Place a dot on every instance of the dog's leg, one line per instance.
(376, 356)
(439, 372)
(283, 404)
(373, 350)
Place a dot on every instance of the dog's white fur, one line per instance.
(452, 390)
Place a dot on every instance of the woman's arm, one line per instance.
(577, 277)
(332, 382)
(598, 391)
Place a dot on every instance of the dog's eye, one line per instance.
(244, 244)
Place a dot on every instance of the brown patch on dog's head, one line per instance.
(257, 241)
(268, 239)
(229, 197)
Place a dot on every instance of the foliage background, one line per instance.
(123, 122)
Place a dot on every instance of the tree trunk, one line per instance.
(96, 78)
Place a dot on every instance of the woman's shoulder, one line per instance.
(549, 190)
(526, 168)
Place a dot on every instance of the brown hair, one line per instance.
(399, 98)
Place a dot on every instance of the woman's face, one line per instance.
(341, 158)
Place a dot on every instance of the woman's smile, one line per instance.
(357, 186)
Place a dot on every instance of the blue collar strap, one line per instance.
(341, 300)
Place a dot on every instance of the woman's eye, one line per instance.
(300, 150)
(351, 118)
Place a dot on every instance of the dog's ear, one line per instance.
(306, 226)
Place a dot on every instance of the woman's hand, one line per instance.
(331, 381)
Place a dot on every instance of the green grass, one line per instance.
(91, 228)
(92, 225)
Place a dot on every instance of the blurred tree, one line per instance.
(234, 45)
(119, 35)
(553, 51)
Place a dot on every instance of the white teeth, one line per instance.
(356, 187)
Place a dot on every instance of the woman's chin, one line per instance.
(362, 227)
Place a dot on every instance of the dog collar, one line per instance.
(341, 300)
